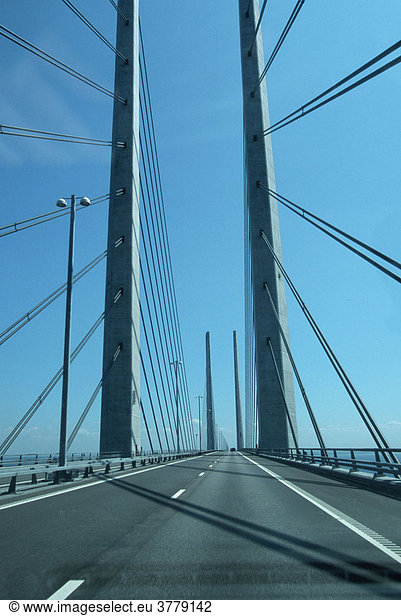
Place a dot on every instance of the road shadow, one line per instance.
(329, 483)
(377, 580)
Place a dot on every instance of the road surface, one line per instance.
(217, 526)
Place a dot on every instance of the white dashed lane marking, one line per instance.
(66, 590)
(177, 494)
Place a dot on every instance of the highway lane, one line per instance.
(231, 531)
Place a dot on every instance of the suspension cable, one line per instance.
(157, 255)
(92, 399)
(47, 301)
(162, 225)
(304, 213)
(119, 11)
(15, 38)
(42, 134)
(161, 327)
(156, 348)
(148, 347)
(287, 410)
(368, 420)
(303, 110)
(154, 258)
(48, 216)
(9, 440)
(257, 27)
(296, 373)
(89, 24)
(280, 41)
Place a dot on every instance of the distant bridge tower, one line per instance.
(120, 417)
(210, 421)
(238, 406)
(274, 430)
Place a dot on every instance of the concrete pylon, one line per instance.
(120, 414)
(210, 422)
(238, 406)
(274, 431)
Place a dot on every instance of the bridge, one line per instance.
(117, 481)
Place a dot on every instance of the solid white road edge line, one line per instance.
(66, 590)
(177, 494)
(390, 549)
(90, 485)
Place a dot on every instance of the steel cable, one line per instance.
(302, 111)
(47, 301)
(92, 399)
(281, 40)
(162, 224)
(154, 257)
(15, 38)
(119, 11)
(371, 425)
(47, 217)
(8, 441)
(380, 267)
(295, 370)
(89, 24)
(257, 27)
(63, 138)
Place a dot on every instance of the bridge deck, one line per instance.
(236, 531)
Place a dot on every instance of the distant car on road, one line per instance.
(232, 448)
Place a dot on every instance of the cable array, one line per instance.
(158, 306)
(280, 41)
(17, 131)
(16, 431)
(119, 11)
(310, 106)
(14, 227)
(159, 309)
(361, 408)
(95, 31)
(257, 26)
(43, 55)
(373, 68)
(26, 318)
(296, 373)
(251, 419)
(308, 216)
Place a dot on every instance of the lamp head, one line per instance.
(61, 203)
(85, 201)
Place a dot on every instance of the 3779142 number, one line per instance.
(184, 606)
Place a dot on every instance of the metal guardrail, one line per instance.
(28, 459)
(51, 473)
(341, 457)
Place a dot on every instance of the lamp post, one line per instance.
(67, 332)
(199, 398)
(176, 363)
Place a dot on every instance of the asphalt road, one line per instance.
(212, 527)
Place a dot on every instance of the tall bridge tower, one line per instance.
(238, 406)
(120, 413)
(274, 429)
(210, 420)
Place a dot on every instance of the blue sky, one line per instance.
(341, 162)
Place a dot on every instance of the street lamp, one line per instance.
(176, 363)
(199, 398)
(67, 332)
